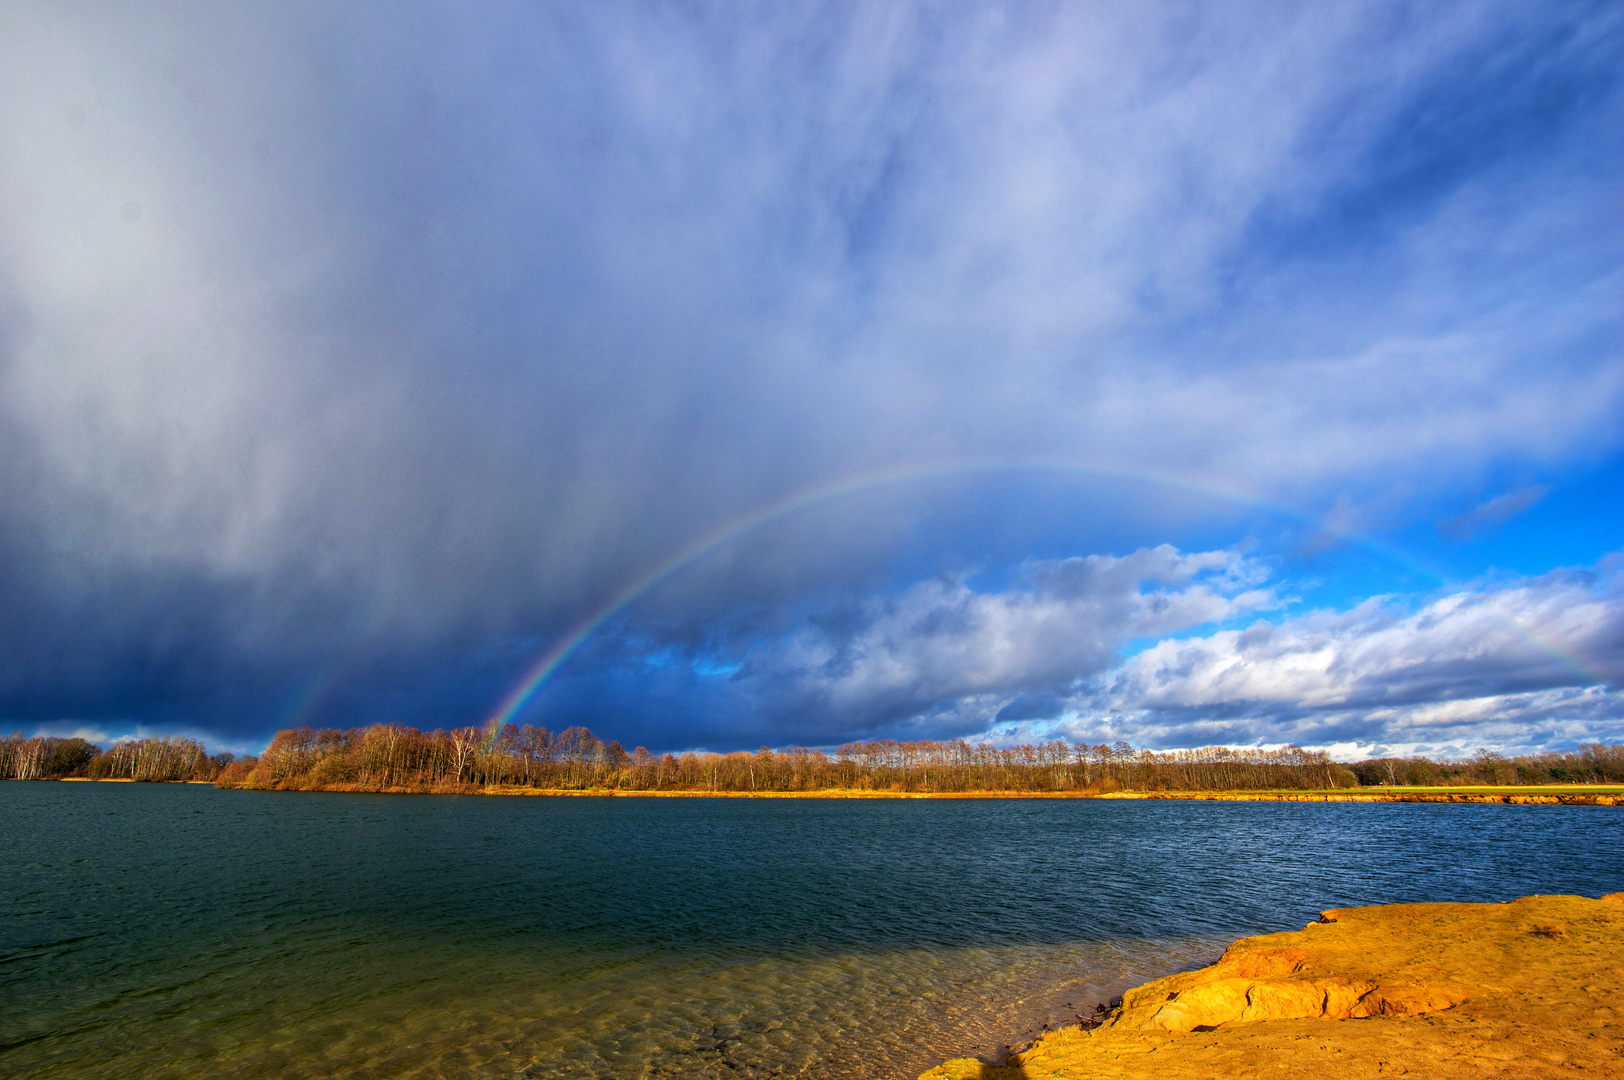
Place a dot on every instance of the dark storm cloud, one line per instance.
(394, 338)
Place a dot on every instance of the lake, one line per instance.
(177, 930)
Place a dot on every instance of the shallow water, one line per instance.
(164, 930)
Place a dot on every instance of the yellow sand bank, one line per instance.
(1540, 795)
(1553, 796)
(1525, 989)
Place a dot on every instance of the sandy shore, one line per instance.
(1546, 795)
(124, 780)
(1530, 796)
(1524, 989)
(1552, 795)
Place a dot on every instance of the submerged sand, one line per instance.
(1528, 988)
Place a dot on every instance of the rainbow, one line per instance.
(526, 689)
(304, 700)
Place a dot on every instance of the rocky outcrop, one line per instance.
(1528, 988)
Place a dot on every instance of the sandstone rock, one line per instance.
(1523, 989)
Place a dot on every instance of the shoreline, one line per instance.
(1553, 795)
(1524, 988)
(1521, 795)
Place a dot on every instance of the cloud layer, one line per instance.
(941, 646)
(393, 339)
(1518, 663)
(1166, 647)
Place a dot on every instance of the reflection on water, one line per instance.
(182, 931)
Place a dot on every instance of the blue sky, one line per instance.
(1179, 375)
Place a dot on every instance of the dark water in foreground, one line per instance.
(182, 931)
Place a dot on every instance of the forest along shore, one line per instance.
(1526, 988)
(505, 759)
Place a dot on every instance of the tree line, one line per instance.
(393, 757)
(1592, 763)
(158, 759)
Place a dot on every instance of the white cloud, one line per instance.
(1514, 665)
(1549, 630)
(944, 645)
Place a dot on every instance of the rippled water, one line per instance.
(182, 931)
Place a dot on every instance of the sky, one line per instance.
(726, 375)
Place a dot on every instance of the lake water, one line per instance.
(164, 930)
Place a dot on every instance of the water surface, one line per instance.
(167, 930)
